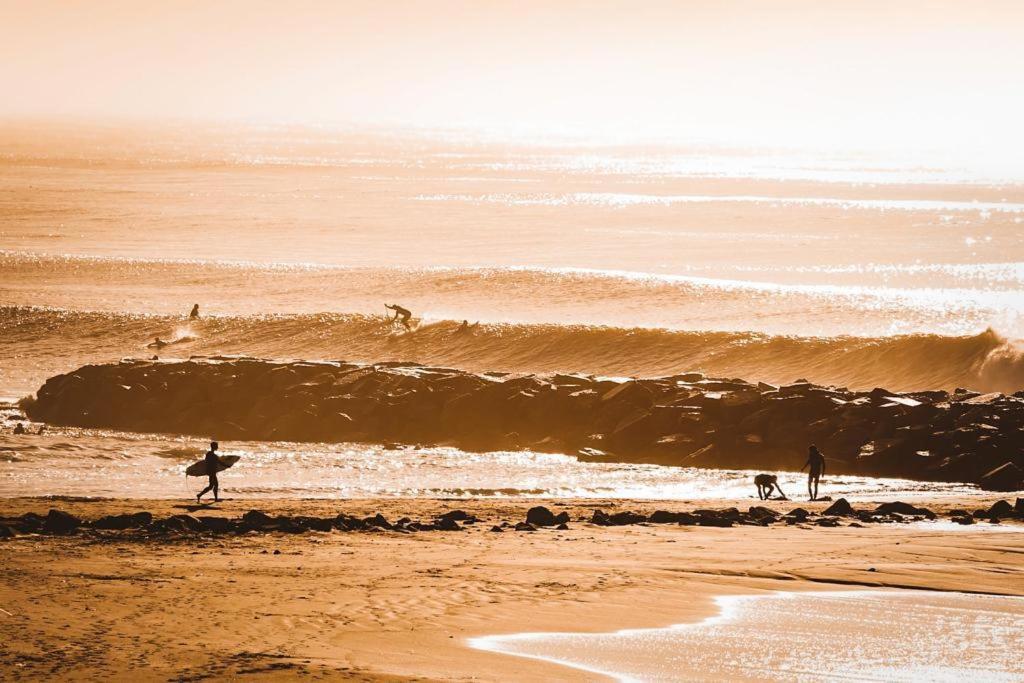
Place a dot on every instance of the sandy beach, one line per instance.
(515, 338)
(385, 605)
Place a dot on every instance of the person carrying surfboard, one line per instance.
(404, 313)
(213, 463)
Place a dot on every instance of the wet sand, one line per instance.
(392, 606)
(864, 635)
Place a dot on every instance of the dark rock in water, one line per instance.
(497, 529)
(457, 515)
(7, 532)
(1000, 508)
(705, 422)
(60, 522)
(840, 508)
(525, 526)
(827, 521)
(133, 520)
(1019, 506)
(1006, 477)
(901, 508)
(257, 519)
(563, 527)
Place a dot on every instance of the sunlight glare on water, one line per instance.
(841, 635)
(85, 463)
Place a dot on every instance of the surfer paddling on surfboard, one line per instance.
(404, 313)
(213, 463)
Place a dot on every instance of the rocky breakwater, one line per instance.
(686, 419)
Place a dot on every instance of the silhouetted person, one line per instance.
(816, 463)
(466, 328)
(768, 484)
(402, 313)
(19, 428)
(212, 464)
(194, 315)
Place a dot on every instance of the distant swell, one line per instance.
(38, 343)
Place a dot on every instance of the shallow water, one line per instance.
(840, 635)
(114, 464)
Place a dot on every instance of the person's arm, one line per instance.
(806, 465)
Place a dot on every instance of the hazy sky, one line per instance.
(786, 72)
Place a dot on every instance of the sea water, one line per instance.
(902, 635)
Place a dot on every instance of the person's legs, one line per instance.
(212, 486)
(810, 481)
(817, 478)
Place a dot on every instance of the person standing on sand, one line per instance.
(403, 313)
(194, 315)
(816, 463)
(212, 464)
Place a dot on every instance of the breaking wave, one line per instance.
(38, 343)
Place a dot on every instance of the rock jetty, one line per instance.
(686, 419)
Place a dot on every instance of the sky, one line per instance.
(864, 74)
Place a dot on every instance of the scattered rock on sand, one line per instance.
(447, 524)
(840, 508)
(901, 508)
(60, 522)
(1000, 508)
(132, 520)
(541, 516)
(257, 520)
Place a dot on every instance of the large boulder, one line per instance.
(1006, 477)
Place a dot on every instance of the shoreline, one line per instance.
(384, 605)
(654, 651)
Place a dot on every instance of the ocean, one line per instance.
(616, 261)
